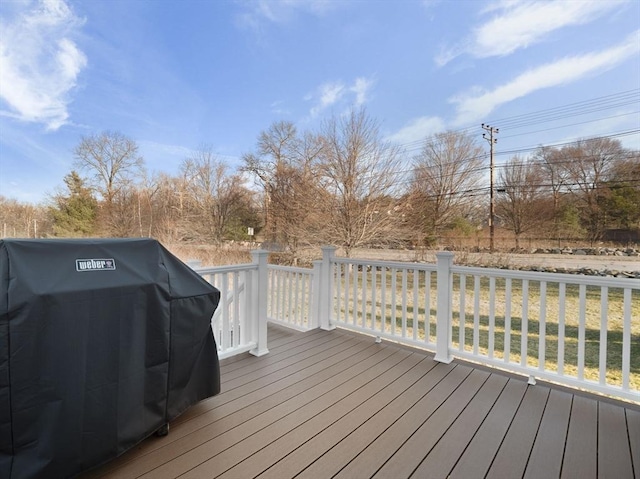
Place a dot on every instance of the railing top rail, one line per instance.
(549, 277)
(226, 269)
(387, 264)
(291, 269)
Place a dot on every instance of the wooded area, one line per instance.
(343, 185)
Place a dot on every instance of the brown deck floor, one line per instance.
(336, 404)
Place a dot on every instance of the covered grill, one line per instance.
(102, 343)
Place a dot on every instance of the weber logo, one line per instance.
(95, 264)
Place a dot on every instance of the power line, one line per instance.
(543, 188)
(608, 102)
(625, 154)
(568, 143)
(636, 112)
(616, 100)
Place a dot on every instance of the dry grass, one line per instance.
(211, 255)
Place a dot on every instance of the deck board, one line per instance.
(513, 454)
(304, 409)
(337, 404)
(477, 458)
(385, 446)
(343, 451)
(633, 429)
(333, 429)
(205, 452)
(373, 391)
(445, 454)
(408, 458)
(546, 457)
(614, 454)
(581, 453)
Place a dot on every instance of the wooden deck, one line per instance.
(336, 404)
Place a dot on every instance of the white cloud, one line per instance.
(39, 63)
(430, 3)
(361, 88)
(476, 105)
(329, 94)
(281, 11)
(333, 93)
(277, 107)
(417, 130)
(448, 53)
(517, 25)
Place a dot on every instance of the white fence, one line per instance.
(238, 324)
(232, 322)
(580, 331)
(253, 293)
(290, 297)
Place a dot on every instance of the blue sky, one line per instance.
(176, 75)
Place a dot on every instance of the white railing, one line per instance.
(580, 331)
(290, 297)
(239, 323)
(390, 300)
(572, 329)
(231, 321)
(252, 294)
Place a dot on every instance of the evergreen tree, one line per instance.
(74, 213)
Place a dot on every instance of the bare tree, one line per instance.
(120, 218)
(523, 205)
(446, 177)
(285, 166)
(270, 164)
(146, 193)
(556, 178)
(589, 165)
(111, 160)
(212, 191)
(360, 174)
(112, 163)
(296, 194)
(166, 197)
(23, 220)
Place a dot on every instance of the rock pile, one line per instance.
(590, 251)
(587, 271)
(629, 252)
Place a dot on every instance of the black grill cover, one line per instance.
(102, 342)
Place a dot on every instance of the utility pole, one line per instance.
(491, 130)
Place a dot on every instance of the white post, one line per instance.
(194, 263)
(259, 316)
(325, 288)
(443, 308)
(314, 307)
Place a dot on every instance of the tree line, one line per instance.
(342, 184)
